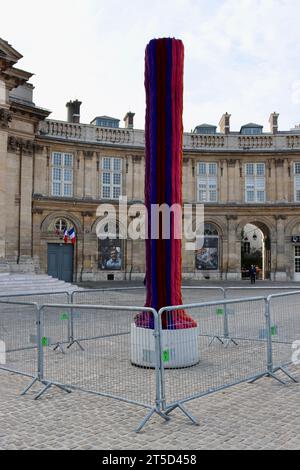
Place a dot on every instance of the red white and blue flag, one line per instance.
(66, 236)
(72, 235)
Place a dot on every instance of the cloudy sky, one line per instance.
(241, 56)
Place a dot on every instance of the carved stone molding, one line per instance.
(279, 163)
(37, 211)
(231, 217)
(136, 159)
(27, 146)
(88, 154)
(87, 214)
(231, 162)
(280, 217)
(5, 118)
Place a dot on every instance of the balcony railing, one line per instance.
(87, 133)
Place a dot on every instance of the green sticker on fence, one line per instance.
(220, 311)
(166, 356)
(64, 316)
(274, 330)
(45, 341)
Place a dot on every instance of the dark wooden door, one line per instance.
(60, 261)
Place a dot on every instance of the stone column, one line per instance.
(128, 178)
(88, 245)
(26, 187)
(233, 180)
(79, 174)
(138, 183)
(281, 261)
(234, 251)
(280, 180)
(5, 118)
(89, 174)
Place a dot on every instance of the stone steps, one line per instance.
(23, 283)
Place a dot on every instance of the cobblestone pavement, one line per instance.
(265, 415)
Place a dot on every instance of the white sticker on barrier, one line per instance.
(2, 352)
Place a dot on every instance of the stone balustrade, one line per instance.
(88, 133)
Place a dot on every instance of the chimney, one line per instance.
(128, 119)
(74, 111)
(225, 123)
(274, 123)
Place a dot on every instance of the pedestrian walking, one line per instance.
(252, 272)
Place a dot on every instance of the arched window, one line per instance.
(60, 226)
(207, 257)
(111, 251)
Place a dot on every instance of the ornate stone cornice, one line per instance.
(87, 214)
(232, 162)
(38, 211)
(279, 163)
(88, 154)
(5, 118)
(27, 146)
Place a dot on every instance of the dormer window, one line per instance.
(205, 129)
(106, 121)
(251, 129)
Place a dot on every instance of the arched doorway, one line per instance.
(256, 249)
(61, 250)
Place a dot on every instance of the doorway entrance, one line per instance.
(60, 261)
(256, 250)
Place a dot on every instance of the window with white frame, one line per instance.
(62, 174)
(207, 182)
(297, 181)
(111, 178)
(255, 182)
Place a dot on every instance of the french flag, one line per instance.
(72, 235)
(66, 236)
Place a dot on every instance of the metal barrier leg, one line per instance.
(184, 411)
(75, 341)
(149, 416)
(283, 369)
(217, 338)
(29, 386)
(58, 347)
(267, 374)
(228, 341)
(48, 385)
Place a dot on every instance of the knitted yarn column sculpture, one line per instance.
(163, 177)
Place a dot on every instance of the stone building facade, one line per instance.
(55, 174)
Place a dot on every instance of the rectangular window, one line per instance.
(297, 259)
(297, 182)
(62, 174)
(207, 182)
(255, 184)
(111, 178)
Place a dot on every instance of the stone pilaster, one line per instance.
(234, 249)
(89, 174)
(280, 272)
(5, 119)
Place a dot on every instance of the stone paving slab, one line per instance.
(264, 415)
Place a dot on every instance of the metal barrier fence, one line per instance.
(258, 333)
(285, 327)
(218, 367)
(18, 332)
